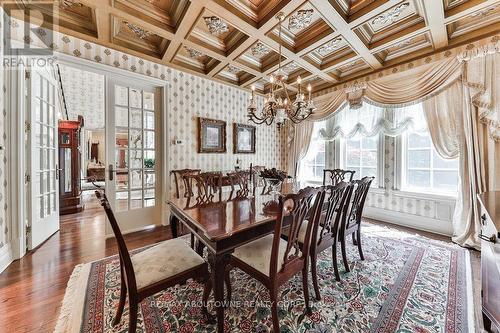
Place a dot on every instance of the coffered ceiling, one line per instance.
(326, 42)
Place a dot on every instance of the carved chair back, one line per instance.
(204, 186)
(179, 178)
(336, 199)
(335, 176)
(126, 267)
(240, 180)
(297, 208)
(357, 203)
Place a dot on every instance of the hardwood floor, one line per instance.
(32, 289)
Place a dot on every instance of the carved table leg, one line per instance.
(174, 223)
(218, 264)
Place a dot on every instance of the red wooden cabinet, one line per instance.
(70, 200)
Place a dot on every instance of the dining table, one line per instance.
(223, 225)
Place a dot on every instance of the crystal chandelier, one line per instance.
(278, 106)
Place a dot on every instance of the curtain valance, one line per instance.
(370, 120)
(397, 90)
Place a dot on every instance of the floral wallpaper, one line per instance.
(84, 95)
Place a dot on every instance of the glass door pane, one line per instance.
(135, 146)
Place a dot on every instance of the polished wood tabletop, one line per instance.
(225, 218)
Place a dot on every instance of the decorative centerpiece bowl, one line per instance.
(273, 178)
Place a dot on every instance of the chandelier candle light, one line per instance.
(278, 107)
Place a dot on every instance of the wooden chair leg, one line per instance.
(344, 254)
(207, 289)
(132, 316)
(359, 244)
(334, 259)
(274, 311)
(227, 280)
(192, 241)
(305, 287)
(121, 304)
(354, 241)
(314, 275)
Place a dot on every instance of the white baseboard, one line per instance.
(5, 257)
(409, 220)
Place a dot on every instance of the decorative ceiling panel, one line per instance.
(166, 14)
(235, 75)
(236, 41)
(355, 67)
(193, 59)
(301, 28)
(332, 52)
(475, 22)
(403, 18)
(132, 35)
(259, 57)
(350, 9)
(255, 12)
(214, 33)
(411, 45)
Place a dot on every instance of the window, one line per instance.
(423, 170)
(361, 155)
(312, 165)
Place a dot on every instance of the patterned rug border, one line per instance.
(71, 309)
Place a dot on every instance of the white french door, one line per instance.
(133, 180)
(43, 169)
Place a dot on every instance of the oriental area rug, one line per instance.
(407, 283)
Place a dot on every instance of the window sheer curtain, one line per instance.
(461, 94)
(370, 120)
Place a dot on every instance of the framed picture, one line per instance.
(211, 136)
(244, 139)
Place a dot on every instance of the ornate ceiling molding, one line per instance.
(65, 4)
(215, 25)
(300, 20)
(138, 31)
(233, 69)
(260, 49)
(485, 12)
(289, 68)
(192, 52)
(391, 15)
(331, 46)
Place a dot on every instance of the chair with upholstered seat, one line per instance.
(351, 220)
(335, 176)
(272, 260)
(153, 269)
(324, 233)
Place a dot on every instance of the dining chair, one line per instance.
(272, 260)
(204, 186)
(179, 177)
(325, 230)
(351, 220)
(240, 182)
(334, 176)
(154, 269)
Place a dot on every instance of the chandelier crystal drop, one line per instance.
(278, 107)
